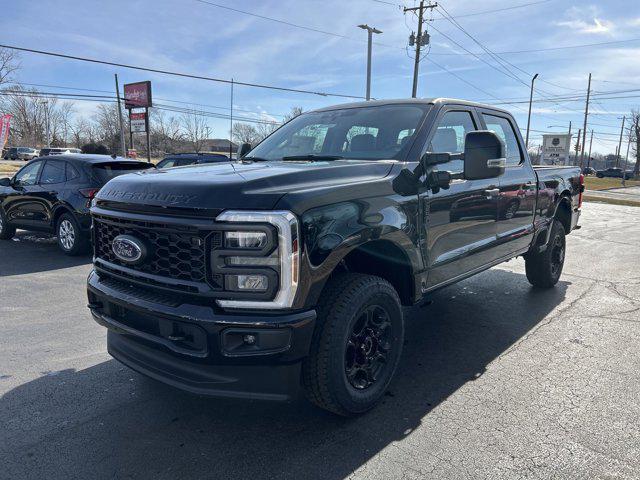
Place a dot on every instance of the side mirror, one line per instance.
(244, 149)
(483, 155)
(5, 182)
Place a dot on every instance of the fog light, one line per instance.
(235, 240)
(253, 282)
(249, 339)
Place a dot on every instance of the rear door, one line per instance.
(460, 222)
(53, 184)
(518, 188)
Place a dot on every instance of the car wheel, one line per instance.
(71, 240)
(356, 344)
(6, 231)
(544, 268)
(511, 210)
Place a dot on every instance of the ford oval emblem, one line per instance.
(128, 249)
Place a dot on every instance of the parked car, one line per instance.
(289, 269)
(588, 171)
(182, 159)
(614, 173)
(21, 153)
(54, 195)
(58, 151)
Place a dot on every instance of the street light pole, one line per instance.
(370, 32)
(526, 142)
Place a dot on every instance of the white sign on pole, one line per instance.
(556, 149)
(138, 122)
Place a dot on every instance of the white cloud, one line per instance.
(585, 20)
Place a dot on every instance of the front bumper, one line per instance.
(199, 348)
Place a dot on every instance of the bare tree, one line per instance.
(80, 131)
(9, 63)
(245, 133)
(108, 126)
(195, 128)
(166, 134)
(295, 111)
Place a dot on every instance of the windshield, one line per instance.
(106, 171)
(368, 133)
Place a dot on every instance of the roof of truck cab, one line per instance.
(89, 158)
(410, 101)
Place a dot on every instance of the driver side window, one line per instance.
(28, 175)
(449, 137)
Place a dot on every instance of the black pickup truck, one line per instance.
(289, 268)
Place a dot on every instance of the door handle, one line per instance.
(491, 193)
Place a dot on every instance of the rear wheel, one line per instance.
(6, 231)
(71, 240)
(544, 268)
(356, 344)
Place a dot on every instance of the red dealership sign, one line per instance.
(5, 122)
(137, 95)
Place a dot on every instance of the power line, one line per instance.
(484, 12)
(549, 49)
(177, 74)
(66, 87)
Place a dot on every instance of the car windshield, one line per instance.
(106, 171)
(368, 133)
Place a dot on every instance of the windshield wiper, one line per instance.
(255, 159)
(311, 157)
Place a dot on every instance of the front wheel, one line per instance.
(6, 231)
(544, 268)
(71, 240)
(356, 345)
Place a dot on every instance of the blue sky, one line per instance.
(195, 37)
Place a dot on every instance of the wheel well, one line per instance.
(58, 213)
(384, 259)
(563, 213)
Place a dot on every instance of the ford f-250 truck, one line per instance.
(289, 268)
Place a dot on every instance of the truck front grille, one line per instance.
(174, 253)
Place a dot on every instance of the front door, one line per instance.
(22, 206)
(460, 222)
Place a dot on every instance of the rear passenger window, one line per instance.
(72, 173)
(450, 137)
(504, 129)
(53, 172)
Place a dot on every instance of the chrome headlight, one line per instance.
(253, 263)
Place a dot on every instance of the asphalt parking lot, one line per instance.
(497, 381)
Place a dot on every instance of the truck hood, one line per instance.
(256, 185)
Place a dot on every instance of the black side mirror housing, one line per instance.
(432, 158)
(5, 182)
(406, 183)
(484, 155)
(243, 150)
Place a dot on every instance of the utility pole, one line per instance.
(46, 121)
(618, 151)
(578, 146)
(370, 32)
(419, 41)
(590, 145)
(584, 128)
(526, 142)
(231, 125)
(122, 145)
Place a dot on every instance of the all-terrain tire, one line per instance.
(347, 300)
(544, 268)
